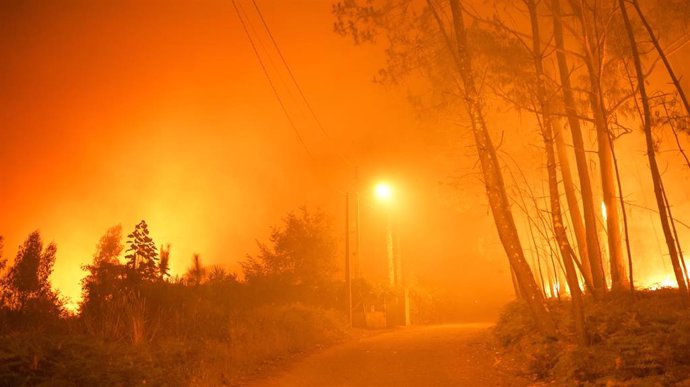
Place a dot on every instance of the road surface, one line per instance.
(446, 355)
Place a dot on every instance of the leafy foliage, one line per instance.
(26, 286)
(105, 275)
(645, 343)
(109, 246)
(672, 18)
(301, 252)
(28, 277)
(142, 255)
(416, 50)
(251, 339)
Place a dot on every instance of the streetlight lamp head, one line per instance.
(384, 192)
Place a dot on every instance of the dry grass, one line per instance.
(254, 338)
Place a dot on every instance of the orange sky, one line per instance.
(117, 111)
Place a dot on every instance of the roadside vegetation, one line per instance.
(590, 76)
(138, 325)
(641, 342)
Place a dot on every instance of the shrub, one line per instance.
(642, 343)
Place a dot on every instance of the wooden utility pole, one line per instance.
(390, 250)
(356, 254)
(348, 275)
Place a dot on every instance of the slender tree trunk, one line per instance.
(675, 236)
(536, 257)
(593, 59)
(591, 263)
(558, 279)
(619, 280)
(662, 55)
(556, 215)
(675, 137)
(571, 198)
(493, 178)
(515, 284)
(631, 282)
(656, 177)
(550, 279)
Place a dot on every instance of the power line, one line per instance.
(289, 71)
(294, 81)
(272, 66)
(249, 29)
(270, 80)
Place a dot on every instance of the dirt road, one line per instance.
(447, 355)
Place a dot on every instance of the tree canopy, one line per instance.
(302, 251)
(142, 255)
(26, 286)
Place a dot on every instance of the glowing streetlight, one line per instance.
(384, 192)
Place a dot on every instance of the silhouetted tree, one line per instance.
(592, 266)
(142, 256)
(109, 246)
(3, 264)
(3, 261)
(593, 21)
(164, 262)
(218, 273)
(301, 252)
(105, 275)
(549, 129)
(680, 11)
(674, 254)
(196, 273)
(26, 286)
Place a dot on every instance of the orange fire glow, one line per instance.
(121, 111)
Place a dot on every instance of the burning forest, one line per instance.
(308, 186)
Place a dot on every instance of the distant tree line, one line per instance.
(129, 294)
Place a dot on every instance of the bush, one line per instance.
(266, 334)
(283, 328)
(516, 330)
(642, 343)
(253, 338)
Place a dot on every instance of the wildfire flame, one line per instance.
(663, 280)
(668, 281)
